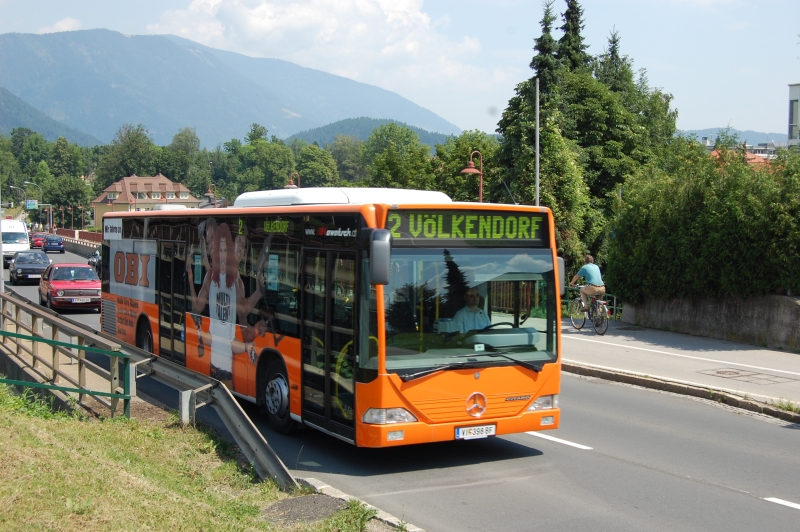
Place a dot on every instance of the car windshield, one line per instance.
(13, 238)
(31, 258)
(476, 306)
(53, 239)
(74, 274)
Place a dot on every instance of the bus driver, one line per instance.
(471, 318)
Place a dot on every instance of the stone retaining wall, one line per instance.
(768, 321)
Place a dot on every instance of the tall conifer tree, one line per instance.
(571, 50)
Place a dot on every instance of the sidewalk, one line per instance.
(742, 370)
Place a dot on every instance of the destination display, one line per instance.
(435, 228)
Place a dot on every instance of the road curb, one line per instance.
(325, 489)
(681, 388)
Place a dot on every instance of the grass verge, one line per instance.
(787, 405)
(60, 471)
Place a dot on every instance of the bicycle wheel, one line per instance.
(600, 319)
(576, 314)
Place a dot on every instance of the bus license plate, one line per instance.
(81, 300)
(481, 431)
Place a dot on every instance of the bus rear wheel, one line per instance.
(274, 398)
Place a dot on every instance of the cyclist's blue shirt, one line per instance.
(592, 274)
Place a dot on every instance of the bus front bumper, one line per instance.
(391, 435)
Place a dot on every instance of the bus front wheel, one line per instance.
(144, 336)
(274, 398)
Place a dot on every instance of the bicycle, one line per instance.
(597, 313)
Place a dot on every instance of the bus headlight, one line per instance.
(545, 402)
(387, 416)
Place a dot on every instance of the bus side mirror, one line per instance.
(380, 256)
(561, 279)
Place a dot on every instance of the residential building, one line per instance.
(794, 114)
(139, 193)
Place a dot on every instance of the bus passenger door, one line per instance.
(328, 341)
(171, 301)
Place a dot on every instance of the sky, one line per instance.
(726, 62)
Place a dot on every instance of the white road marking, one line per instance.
(558, 440)
(682, 356)
(785, 503)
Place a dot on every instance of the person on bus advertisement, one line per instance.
(223, 291)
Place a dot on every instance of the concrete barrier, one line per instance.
(79, 247)
(766, 321)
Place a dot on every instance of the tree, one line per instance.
(346, 151)
(67, 191)
(257, 132)
(615, 70)
(132, 151)
(452, 156)
(396, 158)
(571, 49)
(186, 141)
(65, 159)
(274, 161)
(545, 63)
(316, 167)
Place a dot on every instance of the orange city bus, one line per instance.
(382, 317)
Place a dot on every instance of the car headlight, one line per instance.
(60, 293)
(387, 416)
(545, 402)
(19, 270)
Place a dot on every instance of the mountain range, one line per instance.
(96, 80)
(752, 138)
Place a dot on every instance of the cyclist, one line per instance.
(594, 286)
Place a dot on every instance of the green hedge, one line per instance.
(699, 226)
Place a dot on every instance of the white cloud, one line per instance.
(65, 24)
(390, 43)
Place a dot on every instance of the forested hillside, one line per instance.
(361, 128)
(16, 113)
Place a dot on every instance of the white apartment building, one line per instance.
(794, 114)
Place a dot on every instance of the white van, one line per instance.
(15, 238)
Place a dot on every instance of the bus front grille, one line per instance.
(455, 409)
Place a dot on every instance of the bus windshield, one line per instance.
(470, 307)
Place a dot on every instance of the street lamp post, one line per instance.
(213, 194)
(41, 197)
(83, 219)
(71, 218)
(61, 210)
(25, 193)
(470, 169)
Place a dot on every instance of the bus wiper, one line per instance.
(529, 365)
(455, 365)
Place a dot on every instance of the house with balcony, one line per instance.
(140, 193)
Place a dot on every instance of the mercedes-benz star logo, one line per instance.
(476, 404)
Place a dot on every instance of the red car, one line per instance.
(70, 285)
(37, 239)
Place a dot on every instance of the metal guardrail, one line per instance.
(22, 332)
(191, 386)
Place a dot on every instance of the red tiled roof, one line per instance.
(128, 186)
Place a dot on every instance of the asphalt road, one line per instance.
(628, 459)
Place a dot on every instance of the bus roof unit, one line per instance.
(339, 196)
